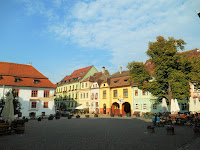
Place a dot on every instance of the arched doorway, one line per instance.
(104, 108)
(115, 108)
(126, 107)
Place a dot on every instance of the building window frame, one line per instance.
(34, 93)
(125, 93)
(115, 93)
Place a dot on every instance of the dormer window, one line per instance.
(1, 77)
(116, 81)
(17, 80)
(36, 81)
(125, 80)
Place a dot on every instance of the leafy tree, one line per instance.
(172, 71)
(16, 103)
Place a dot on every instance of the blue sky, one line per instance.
(60, 36)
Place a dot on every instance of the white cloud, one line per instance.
(122, 27)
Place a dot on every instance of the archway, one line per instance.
(115, 108)
(126, 107)
(104, 108)
(32, 115)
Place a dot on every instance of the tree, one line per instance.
(172, 71)
(16, 103)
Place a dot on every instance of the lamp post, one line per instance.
(198, 13)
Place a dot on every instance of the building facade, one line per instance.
(33, 90)
(67, 91)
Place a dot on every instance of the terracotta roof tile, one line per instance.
(25, 73)
(20, 70)
(76, 75)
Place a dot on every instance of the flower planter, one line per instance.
(77, 116)
(119, 115)
(87, 116)
(170, 131)
(69, 117)
(128, 115)
(26, 120)
(96, 115)
(112, 115)
(50, 117)
(39, 119)
(150, 129)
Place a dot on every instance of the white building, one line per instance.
(34, 90)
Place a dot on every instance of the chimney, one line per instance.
(103, 69)
(120, 70)
(29, 64)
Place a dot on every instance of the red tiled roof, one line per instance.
(80, 73)
(26, 73)
(120, 81)
(20, 70)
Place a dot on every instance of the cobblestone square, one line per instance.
(96, 134)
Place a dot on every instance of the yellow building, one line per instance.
(116, 94)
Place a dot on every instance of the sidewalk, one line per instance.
(192, 145)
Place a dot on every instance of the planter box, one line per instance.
(119, 115)
(112, 115)
(87, 116)
(150, 130)
(96, 115)
(170, 131)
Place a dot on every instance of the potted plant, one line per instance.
(50, 117)
(70, 117)
(119, 115)
(150, 129)
(96, 115)
(112, 115)
(77, 116)
(87, 116)
(170, 130)
(39, 119)
(128, 114)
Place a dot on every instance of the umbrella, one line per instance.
(81, 107)
(8, 110)
(192, 108)
(174, 106)
(164, 106)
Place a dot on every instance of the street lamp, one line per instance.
(198, 13)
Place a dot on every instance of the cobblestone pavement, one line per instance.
(97, 134)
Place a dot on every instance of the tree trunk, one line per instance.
(169, 96)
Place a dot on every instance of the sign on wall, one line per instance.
(121, 100)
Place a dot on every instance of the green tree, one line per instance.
(172, 71)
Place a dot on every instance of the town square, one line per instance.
(99, 74)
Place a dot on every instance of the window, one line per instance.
(92, 96)
(136, 106)
(116, 81)
(36, 81)
(72, 104)
(86, 95)
(16, 92)
(87, 104)
(34, 93)
(97, 105)
(17, 80)
(70, 88)
(72, 96)
(82, 85)
(73, 87)
(76, 95)
(136, 92)
(46, 93)
(154, 107)
(68, 104)
(33, 104)
(184, 106)
(104, 84)
(86, 84)
(104, 94)
(143, 92)
(69, 96)
(144, 106)
(75, 104)
(96, 95)
(125, 92)
(115, 93)
(83, 95)
(45, 104)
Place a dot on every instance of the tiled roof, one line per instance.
(26, 74)
(98, 77)
(76, 75)
(120, 81)
(194, 52)
(20, 70)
